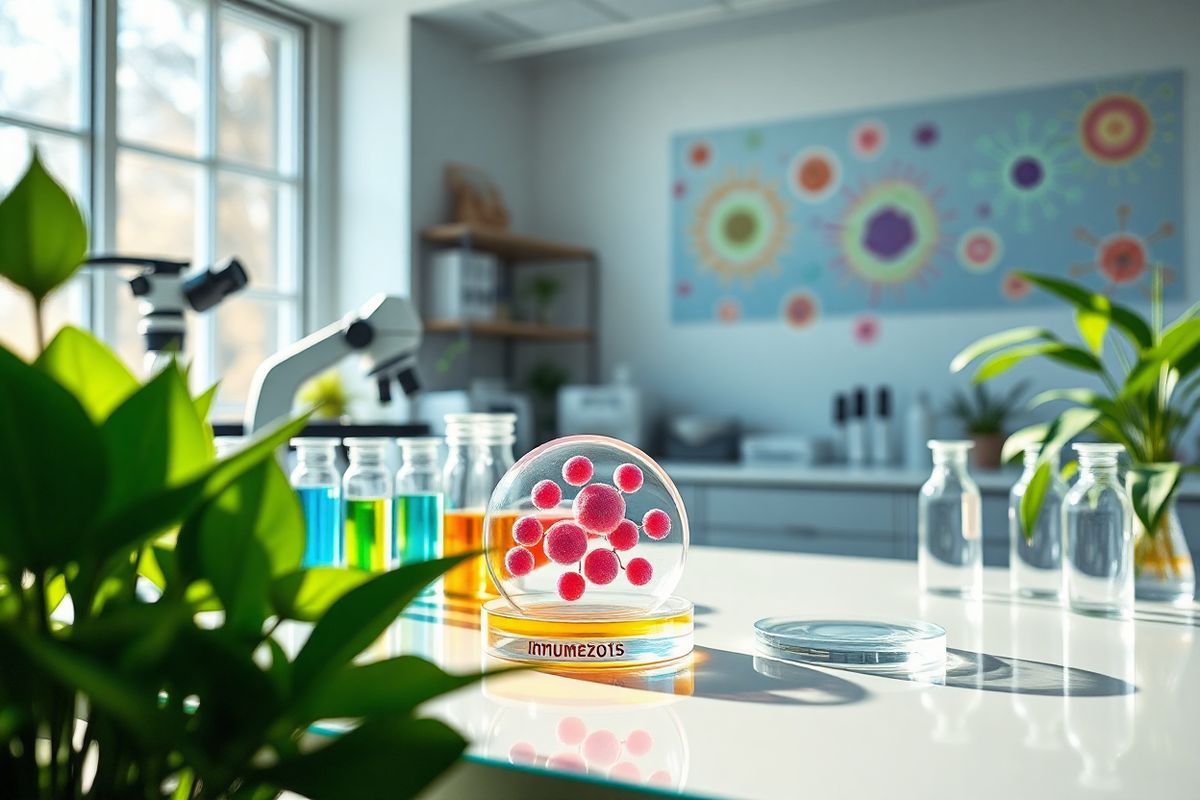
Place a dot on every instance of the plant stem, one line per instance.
(39, 326)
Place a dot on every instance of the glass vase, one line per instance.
(1162, 562)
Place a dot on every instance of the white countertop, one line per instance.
(1004, 726)
(842, 477)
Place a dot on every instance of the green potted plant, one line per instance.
(984, 417)
(141, 580)
(1145, 406)
(543, 290)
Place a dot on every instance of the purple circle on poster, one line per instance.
(925, 134)
(889, 233)
(1027, 172)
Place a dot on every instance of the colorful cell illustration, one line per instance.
(700, 154)
(868, 139)
(1029, 171)
(980, 249)
(867, 329)
(1015, 287)
(800, 309)
(815, 174)
(679, 190)
(1121, 258)
(740, 228)
(1118, 127)
(926, 134)
(890, 233)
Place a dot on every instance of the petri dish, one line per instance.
(881, 647)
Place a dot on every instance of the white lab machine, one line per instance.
(612, 410)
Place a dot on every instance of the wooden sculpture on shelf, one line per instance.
(474, 199)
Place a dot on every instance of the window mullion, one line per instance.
(204, 352)
(104, 161)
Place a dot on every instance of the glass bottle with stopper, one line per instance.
(949, 525)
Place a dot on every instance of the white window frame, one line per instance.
(99, 144)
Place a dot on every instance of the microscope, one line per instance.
(163, 292)
(385, 332)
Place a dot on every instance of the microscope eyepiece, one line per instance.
(205, 289)
(385, 389)
(408, 381)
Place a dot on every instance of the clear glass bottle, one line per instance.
(949, 525)
(317, 482)
(1035, 562)
(1098, 523)
(418, 509)
(367, 489)
(479, 452)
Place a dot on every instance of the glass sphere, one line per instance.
(586, 526)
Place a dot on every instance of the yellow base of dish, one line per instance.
(597, 640)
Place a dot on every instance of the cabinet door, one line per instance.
(802, 540)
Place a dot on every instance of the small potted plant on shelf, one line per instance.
(1146, 406)
(142, 581)
(543, 290)
(984, 416)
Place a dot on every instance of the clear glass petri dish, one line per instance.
(891, 647)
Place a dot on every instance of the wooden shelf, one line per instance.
(503, 329)
(512, 246)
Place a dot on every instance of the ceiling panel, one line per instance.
(645, 9)
(554, 17)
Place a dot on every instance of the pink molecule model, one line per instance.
(656, 523)
(522, 753)
(546, 494)
(527, 531)
(601, 567)
(628, 478)
(599, 508)
(571, 730)
(625, 771)
(518, 561)
(639, 743)
(639, 571)
(602, 748)
(625, 536)
(565, 543)
(571, 586)
(587, 522)
(578, 470)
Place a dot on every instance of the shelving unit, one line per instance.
(514, 250)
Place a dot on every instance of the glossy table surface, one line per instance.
(1035, 702)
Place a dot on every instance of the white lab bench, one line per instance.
(842, 511)
(1035, 703)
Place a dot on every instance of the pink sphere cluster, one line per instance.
(600, 750)
(598, 512)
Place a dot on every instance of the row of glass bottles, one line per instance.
(1089, 527)
(363, 519)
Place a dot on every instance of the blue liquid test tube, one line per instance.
(318, 484)
(418, 508)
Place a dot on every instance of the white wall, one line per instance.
(603, 124)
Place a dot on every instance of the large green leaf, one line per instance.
(43, 238)
(89, 370)
(1057, 351)
(1019, 441)
(154, 440)
(54, 484)
(997, 341)
(1065, 427)
(362, 765)
(395, 686)
(1151, 487)
(307, 594)
(1178, 350)
(148, 517)
(1129, 322)
(250, 532)
(360, 616)
(1092, 326)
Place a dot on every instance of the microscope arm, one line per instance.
(277, 379)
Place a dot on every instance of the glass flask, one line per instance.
(367, 492)
(949, 525)
(1098, 522)
(1163, 563)
(1035, 562)
(418, 508)
(479, 452)
(317, 482)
